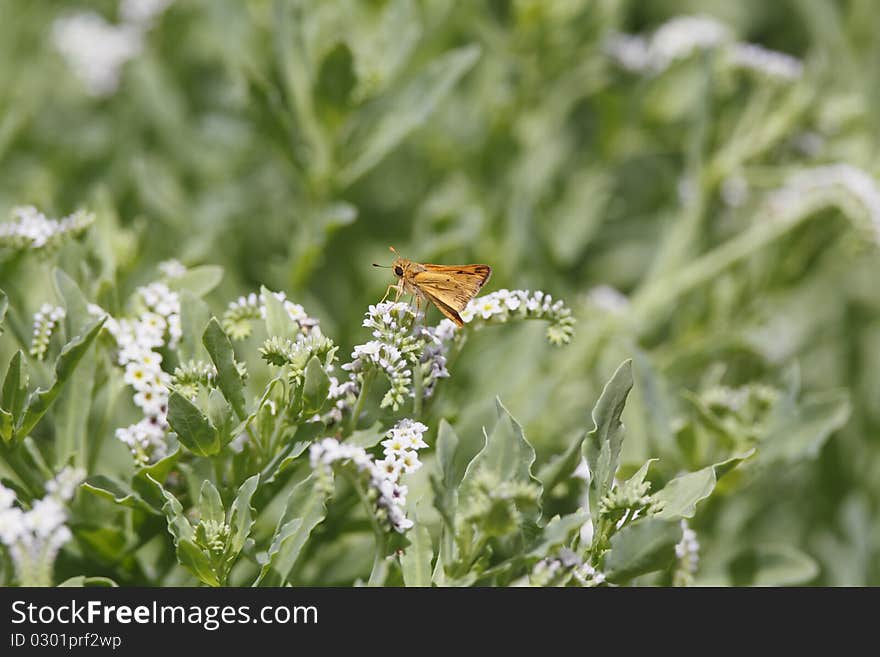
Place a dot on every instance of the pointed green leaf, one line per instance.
(507, 455)
(76, 309)
(241, 517)
(198, 280)
(680, 496)
(642, 547)
(194, 317)
(193, 429)
(558, 533)
(603, 442)
(278, 322)
(41, 400)
(196, 561)
(210, 505)
(315, 388)
(7, 425)
(15, 385)
(305, 510)
(562, 466)
(415, 562)
(228, 379)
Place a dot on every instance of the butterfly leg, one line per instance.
(393, 286)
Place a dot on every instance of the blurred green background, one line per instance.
(292, 142)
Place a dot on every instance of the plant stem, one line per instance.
(369, 376)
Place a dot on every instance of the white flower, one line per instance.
(766, 62)
(138, 376)
(488, 306)
(95, 49)
(409, 461)
(172, 268)
(11, 525)
(45, 517)
(7, 497)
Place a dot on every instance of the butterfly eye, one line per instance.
(398, 271)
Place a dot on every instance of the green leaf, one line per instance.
(278, 322)
(228, 379)
(562, 466)
(406, 110)
(193, 428)
(367, 438)
(315, 388)
(196, 561)
(557, 533)
(305, 510)
(194, 317)
(642, 547)
(72, 416)
(198, 280)
(603, 442)
(80, 581)
(15, 385)
(507, 455)
(241, 514)
(143, 493)
(76, 305)
(415, 562)
(41, 400)
(210, 505)
(7, 425)
(681, 495)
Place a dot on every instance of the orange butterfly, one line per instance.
(449, 287)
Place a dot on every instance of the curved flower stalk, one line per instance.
(138, 341)
(31, 230)
(379, 478)
(45, 320)
(506, 305)
(687, 554)
(34, 536)
(412, 355)
(243, 311)
(810, 188)
(683, 36)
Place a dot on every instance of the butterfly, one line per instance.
(449, 287)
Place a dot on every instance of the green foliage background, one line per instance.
(292, 142)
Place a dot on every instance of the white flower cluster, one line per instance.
(172, 268)
(764, 61)
(809, 188)
(32, 230)
(681, 37)
(241, 312)
(504, 305)
(687, 551)
(400, 456)
(35, 536)
(343, 395)
(97, 50)
(559, 572)
(45, 320)
(395, 349)
(138, 340)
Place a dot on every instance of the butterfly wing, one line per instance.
(451, 287)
